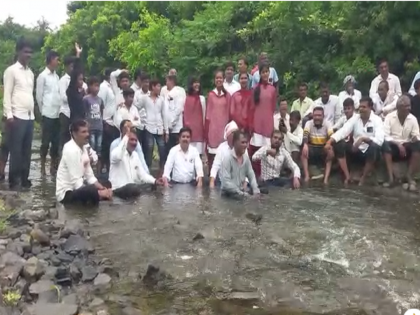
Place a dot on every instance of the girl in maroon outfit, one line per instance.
(241, 104)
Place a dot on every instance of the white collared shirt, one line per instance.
(123, 113)
(48, 93)
(138, 96)
(110, 106)
(277, 117)
(384, 107)
(333, 110)
(175, 101)
(74, 170)
(221, 153)
(126, 168)
(404, 133)
(64, 84)
(356, 97)
(340, 123)
(18, 98)
(156, 114)
(231, 87)
(293, 140)
(184, 166)
(393, 83)
(374, 129)
(135, 87)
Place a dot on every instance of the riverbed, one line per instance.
(316, 250)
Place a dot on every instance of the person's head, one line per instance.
(263, 58)
(229, 130)
(383, 68)
(349, 82)
(69, 64)
(107, 74)
(172, 72)
(264, 70)
(124, 80)
(294, 119)
(318, 116)
(324, 90)
(93, 85)
(53, 60)
(348, 106)
(229, 71)
(243, 80)
(417, 86)
(240, 142)
(303, 90)
(404, 105)
(137, 77)
(218, 79)
(242, 65)
(79, 130)
(185, 137)
(23, 51)
(283, 107)
(365, 107)
(128, 95)
(383, 89)
(194, 86)
(170, 81)
(132, 140)
(155, 87)
(145, 82)
(124, 125)
(277, 138)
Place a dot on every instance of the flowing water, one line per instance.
(343, 251)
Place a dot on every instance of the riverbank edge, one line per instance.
(47, 263)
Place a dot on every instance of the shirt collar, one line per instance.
(217, 92)
(49, 71)
(106, 82)
(19, 65)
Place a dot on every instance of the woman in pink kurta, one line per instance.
(261, 114)
(241, 103)
(217, 117)
(194, 113)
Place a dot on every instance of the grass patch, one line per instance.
(12, 298)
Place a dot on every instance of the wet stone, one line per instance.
(102, 280)
(9, 275)
(76, 244)
(39, 236)
(97, 302)
(70, 299)
(89, 273)
(14, 233)
(65, 258)
(131, 311)
(38, 215)
(33, 268)
(15, 247)
(75, 272)
(256, 218)
(72, 227)
(198, 236)
(41, 286)
(42, 308)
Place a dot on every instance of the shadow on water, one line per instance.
(319, 250)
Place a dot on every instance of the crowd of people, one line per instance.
(111, 126)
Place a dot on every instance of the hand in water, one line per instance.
(165, 182)
(160, 182)
(296, 183)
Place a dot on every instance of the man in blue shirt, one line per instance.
(123, 126)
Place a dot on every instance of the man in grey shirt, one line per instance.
(236, 168)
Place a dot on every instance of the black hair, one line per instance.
(76, 125)
(191, 81)
(318, 109)
(237, 135)
(153, 83)
(417, 84)
(123, 75)
(229, 64)
(348, 102)
(107, 73)
(69, 60)
(123, 122)
(257, 90)
(244, 60)
(282, 99)
(185, 129)
(368, 100)
(324, 85)
(303, 84)
(381, 61)
(223, 75)
(137, 74)
(51, 55)
(144, 76)
(74, 75)
(384, 82)
(128, 92)
(93, 80)
(295, 114)
(22, 43)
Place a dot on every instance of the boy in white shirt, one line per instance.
(348, 106)
(127, 111)
(293, 137)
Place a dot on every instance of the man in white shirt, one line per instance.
(282, 115)
(136, 80)
(230, 85)
(119, 81)
(384, 75)
(384, 101)
(402, 141)
(184, 165)
(348, 106)
(127, 174)
(293, 137)
(368, 133)
(18, 106)
(49, 103)
(75, 169)
(333, 110)
(164, 89)
(175, 100)
(64, 115)
(273, 78)
(350, 92)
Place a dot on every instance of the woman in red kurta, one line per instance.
(217, 117)
(241, 103)
(194, 113)
(261, 114)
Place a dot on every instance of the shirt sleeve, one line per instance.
(9, 81)
(387, 129)
(412, 91)
(345, 131)
(339, 123)
(217, 163)
(165, 116)
(260, 154)
(141, 157)
(169, 165)
(296, 139)
(142, 176)
(113, 80)
(117, 154)
(275, 76)
(72, 161)
(398, 89)
(391, 107)
(179, 106)
(198, 165)
(40, 81)
(290, 164)
(135, 112)
(251, 177)
(226, 178)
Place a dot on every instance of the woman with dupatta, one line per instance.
(241, 104)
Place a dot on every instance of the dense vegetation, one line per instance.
(309, 41)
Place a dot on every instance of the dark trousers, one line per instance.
(172, 141)
(50, 129)
(150, 141)
(277, 182)
(110, 133)
(20, 145)
(85, 195)
(64, 131)
(128, 191)
(392, 148)
(4, 146)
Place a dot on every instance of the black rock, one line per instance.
(154, 275)
(72, 227)
(254, 217)
(36, 250)
(14, 233)
(89, 273)
(76, 244)
(198, 236)
(65, 258)
(75, 272)
(62, 276)
(109, 270)
(55, 261)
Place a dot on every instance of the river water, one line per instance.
(316, 250)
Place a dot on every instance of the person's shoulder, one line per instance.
(393, 76)
(193, 150)
(334, 98)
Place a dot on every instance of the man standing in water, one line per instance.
(19, 110)
(49, 103)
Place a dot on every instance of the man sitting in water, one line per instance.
(124, 125)
(402, 141)
(368, 134)
(75, 169)
(126, 173)
(273, 158)
(315, 135)
(183, 164)
(236, 167)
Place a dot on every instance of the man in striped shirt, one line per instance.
(315, 135)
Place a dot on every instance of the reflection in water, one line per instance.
(316, 250)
